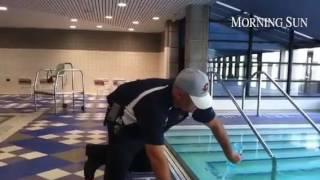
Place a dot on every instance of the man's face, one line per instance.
(183, 101)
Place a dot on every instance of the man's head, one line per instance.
(190, 90)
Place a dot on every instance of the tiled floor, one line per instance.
(52, 145)
(22, 103)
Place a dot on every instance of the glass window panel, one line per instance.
(315, 73)
(305, 89)
(267, 88)
(298, 72)
(300, 55)
(242, 58)
(283, 72)
(271, 57)
(274, 71)
(316, 55)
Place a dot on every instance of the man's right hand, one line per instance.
(234, 158)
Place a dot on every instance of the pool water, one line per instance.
(296, 148)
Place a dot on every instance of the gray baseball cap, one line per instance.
(195, 83)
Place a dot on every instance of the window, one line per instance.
(305, 73)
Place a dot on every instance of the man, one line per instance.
(148, 108)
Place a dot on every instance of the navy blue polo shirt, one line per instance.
(155, 112)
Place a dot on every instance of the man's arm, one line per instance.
(158, 161)
(219, 132)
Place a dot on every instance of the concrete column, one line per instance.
(196, 39)
(224, 68)
(281, 72)
(230, 65)
(237, 67)
(219, 66)
(269, 71)
(171, 48)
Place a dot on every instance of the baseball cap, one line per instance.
(195, 83)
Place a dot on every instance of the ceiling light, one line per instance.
(73, 27)
(3, 8)
(130, 29)
(99, 26)
(108, 17)
(156, 18)
(228, 6)
(74, 20)
(122, 4)
(135, 22)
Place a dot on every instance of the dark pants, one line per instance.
(125, 152)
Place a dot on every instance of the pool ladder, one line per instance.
(257, 134)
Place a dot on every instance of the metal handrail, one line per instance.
(60, 74)
(259, 137)
(37, 76)
(258, 73)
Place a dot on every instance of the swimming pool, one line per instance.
(296, 148)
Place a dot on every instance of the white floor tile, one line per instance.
(53, 174)
(38, 125)
(67, 116)
(48, 136)
(96, 141)
(10, 148)
(43, 121)
(70, 141)
(98, 173)
(75, 132)
(6, 155)
(73, 136)
(97, 136)
(101, 105)
(34, 128)
(32, 155)
(97, 132)
(59, 124)
(3, 164)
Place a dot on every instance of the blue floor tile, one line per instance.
(45, 146)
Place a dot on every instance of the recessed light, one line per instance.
(156, 18)
(130, 29)
(72, 27)
(74, 20)
(108, 17)
(135, 22)
(122, 4)
(3, 8)
(99, 26)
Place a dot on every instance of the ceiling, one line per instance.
(56, 14)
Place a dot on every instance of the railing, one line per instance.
(259, 137)
(258, 74)
(59, 73)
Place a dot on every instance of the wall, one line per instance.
(107, 55)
